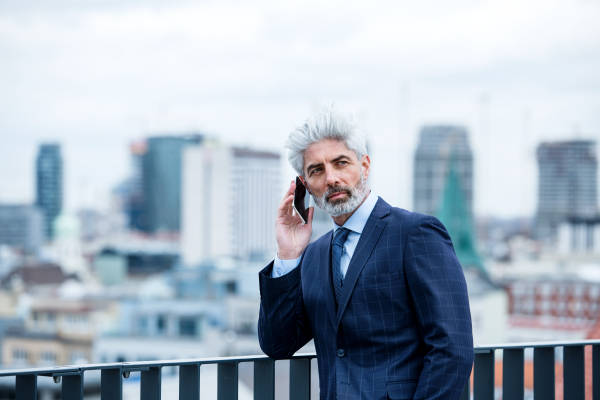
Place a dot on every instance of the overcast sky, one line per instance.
(96, 75)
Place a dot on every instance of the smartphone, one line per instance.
(298, 204)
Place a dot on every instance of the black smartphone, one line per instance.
(299, 197)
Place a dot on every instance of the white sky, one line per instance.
(95, 75)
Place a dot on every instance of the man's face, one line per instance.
(335, 177)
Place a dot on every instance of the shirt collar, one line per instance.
(358, 220)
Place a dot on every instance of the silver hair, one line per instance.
(329, 124)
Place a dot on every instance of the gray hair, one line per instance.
(329, 124)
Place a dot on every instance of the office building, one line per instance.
(161, 181)
(230, 196)
(135, 208)
(49, 185)
(437, 144)
(579, 236)
(568, 185)
(21, 226)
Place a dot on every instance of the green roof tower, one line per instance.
(454, 215)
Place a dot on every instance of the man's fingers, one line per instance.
(286, 206)
(290, 190)
(286, 202)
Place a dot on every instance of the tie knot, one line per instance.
(340, 236)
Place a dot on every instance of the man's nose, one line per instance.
(332, 178)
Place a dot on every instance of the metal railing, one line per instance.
(513, 370)
(112, 375)
(513, 375)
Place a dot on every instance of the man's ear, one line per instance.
(365, 166)
(305, 184)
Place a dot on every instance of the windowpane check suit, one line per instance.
(402, 328)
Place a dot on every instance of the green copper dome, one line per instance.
(67, 226)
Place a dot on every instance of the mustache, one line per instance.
(335, 189)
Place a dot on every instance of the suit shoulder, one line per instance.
(410, 219)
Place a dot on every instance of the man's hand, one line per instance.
(292, 235)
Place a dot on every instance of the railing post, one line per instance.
(574, 373)
(543, 373)
(150, 384)
(189, 382)
(26, 387)
(264, 380)
(111, 384)
(466, 393)
(596, 372)
(72, 387)
(484, 375)
(227, 381)
(300, 379)
(513, 374)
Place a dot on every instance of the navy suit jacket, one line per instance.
(402, 329)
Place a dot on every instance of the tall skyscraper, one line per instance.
(437, 145)
(230, 196)
(49, 185)
(568, 185)
(161, 181)
(136, 202)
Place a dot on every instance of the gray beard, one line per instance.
(339, 207)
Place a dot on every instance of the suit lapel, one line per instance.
(368, 239)
(329, 299)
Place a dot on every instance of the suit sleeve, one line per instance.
(439, 293)
(283, 326)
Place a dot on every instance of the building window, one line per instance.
(143, 325)
(47, 358)
(76, 323)
(160, 324)
(230, 287)
(187, 327)
(20, 356)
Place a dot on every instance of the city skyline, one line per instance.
(130, 173)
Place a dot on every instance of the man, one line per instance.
(382, 294)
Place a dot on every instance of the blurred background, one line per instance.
(142, 161)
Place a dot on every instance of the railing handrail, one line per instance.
(132, 365)
(524, 345)
(136, 365)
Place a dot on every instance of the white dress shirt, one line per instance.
(356, 223)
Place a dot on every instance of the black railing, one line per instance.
(112, 375)
(513, 372)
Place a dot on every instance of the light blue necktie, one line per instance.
(336, 254)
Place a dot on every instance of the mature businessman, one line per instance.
(382, 294)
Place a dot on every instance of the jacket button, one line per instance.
(341, 353)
